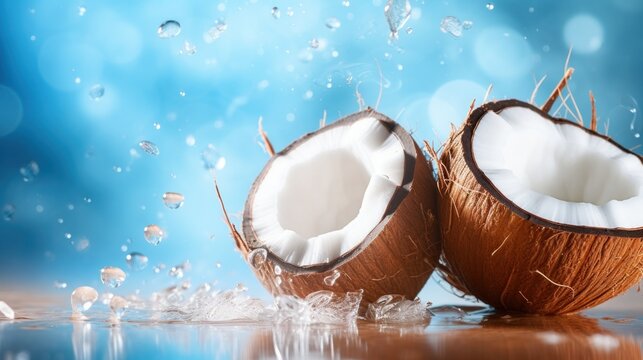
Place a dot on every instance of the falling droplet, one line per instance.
(158, 268)
(333, 23)
(346, 3)
(277, 270)
(257, 257)
(29, 171)
(178, 271)
(451, 25)
(112, 276)
(87, 199)
(490, 6)
(96, 92)
(215, 32)
(314, 43)
(188, 48)
(173, 200)
(6, 310)
(157, 125)
(82, 299)
(169, 29)
(182, 93)
(212, 159)
(217, 265)
(82, 244)
(190, 140)
(60, 284)
(117, 169)
(118, 305)
(332, 278)
(8, 211)
(136, 261)
(82, 10)
(67, 236)
(275, 12)
(149, 147)
(397, 13)
(637, 135)
(290, 11)
(153, 234)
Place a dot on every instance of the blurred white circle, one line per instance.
(450, 104)
(584, 33)
(503, 53)
(10, 110)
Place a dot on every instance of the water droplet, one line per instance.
(332, 278)
(106, 297)
(188, 48)
(182, 93)
(149, 147)
(409, 30)
(118, 305)
(29, 171)
(173, 200)
(82, 299)
(67, 236)
(215, 32)
(178, 271)
(277, 270)
(60, 220)
(153, 234)
(212, 159)
(637, 135)
(82, 244)
(96, 92)
(87, 199)
(190, 140)
(8, 211)
(82, 10)
(451, 25)
(467, 24)
(278, 281)
(117, 169)
(257, 257)
(169, 29)
(124, 248)
(112, 276)
(633, 110)
(400, 67)
(313, 43)
(333, 23)
(77, 80)
(136, 261)
(290, 11)
(346, 3)
(217, 265)
(334, 53)
(397, 13)
(490, 6)
(157, 126)
(158, 268)
(275, 12)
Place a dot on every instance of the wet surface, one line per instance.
(43, 329)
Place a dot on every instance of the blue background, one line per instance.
(50, 56)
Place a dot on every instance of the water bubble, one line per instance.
(136, 261)
(149, 147)
(212, 159)
(124, 248)
(82, 299)
(409, 30)
(333, 23)
(60, 220)
(60, 284)
(169, 29)
(277, 270)
(173, 200)
(257, 257)
(118, 305)
(67, 236)
(332, 278)
(188, 48)
(182, 93)
(217, 265)
(96, 92)
(290, 11)
(8, 211)
(157, 125)
(29, 171)
(190, 140)
(275, 12)
(7, 311)
(397, 13)
(346, 3)
(153, 234)
(637, 135)
(334, 53)
(87, 199)
(117, 169)
(451, 25)
(490, 6)
(400, 67)
(112, 276)
(215, 32)
(313, 43)
(82, 10)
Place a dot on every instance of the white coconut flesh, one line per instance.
(323, 197)
(558, 171)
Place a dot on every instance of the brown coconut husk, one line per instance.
(397, 257)
(513, 260)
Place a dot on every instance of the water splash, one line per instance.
(397, 13)
(397, 309)
(324, 307)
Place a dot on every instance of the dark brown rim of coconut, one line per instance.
(400, 193)
(467, 136)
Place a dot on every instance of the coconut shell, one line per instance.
(398, 255)
(512, 260)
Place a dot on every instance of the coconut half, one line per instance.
(539, 214)
(348, 207)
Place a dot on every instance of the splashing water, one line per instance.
(173, 200)
(6, 310)
(136, 261)
(319, 307)
(257, 257)
(112, 276)
(396, 309)
(153, 234)
(149, 147)
(168, 29)
(397, 13)
(82, 299)
(29, 171)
